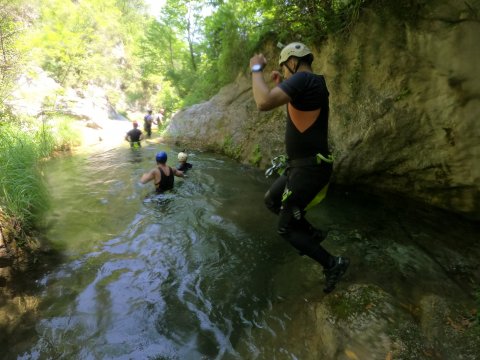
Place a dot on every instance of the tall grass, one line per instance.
(59, 134)
(23, 194)
(23, 144)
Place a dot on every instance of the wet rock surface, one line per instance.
(411, 291)
(404, 108)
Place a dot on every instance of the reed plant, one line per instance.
(59, 133)
(24, 143)
(23, 194)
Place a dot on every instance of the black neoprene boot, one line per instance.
(335, 273)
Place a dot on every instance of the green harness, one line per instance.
(281, 163)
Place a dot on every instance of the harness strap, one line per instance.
(310, 161)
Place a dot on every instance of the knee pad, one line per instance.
(297, 213)
(285, 221)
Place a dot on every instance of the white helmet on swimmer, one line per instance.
(294, 49)
(182, 156)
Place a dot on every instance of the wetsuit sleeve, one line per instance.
(293, 86)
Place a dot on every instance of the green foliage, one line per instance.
(24, 142)
(199, 51)
(312, 21)
(82, 41)
(63, 135)
(256, 156)
(11, 18)
(197, 54)
(230, 149)
(163, 63)
(228, 34)
(22, 193)
(182, 56)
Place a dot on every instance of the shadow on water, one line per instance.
(395, 240)
(199, 272)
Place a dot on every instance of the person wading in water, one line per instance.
(183, 165)
(134, 136)
(162, 175)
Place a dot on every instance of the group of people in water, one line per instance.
(162, 175)
(135, 135)
(304, 180)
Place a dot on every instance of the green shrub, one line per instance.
(63, 135)
(230, 149)
(23, 194)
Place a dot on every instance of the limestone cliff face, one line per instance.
(405, 109)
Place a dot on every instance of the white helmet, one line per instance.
(182, 156)
(294, 49)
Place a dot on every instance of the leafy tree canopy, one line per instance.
(182, 55)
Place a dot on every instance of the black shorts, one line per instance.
(300, 185)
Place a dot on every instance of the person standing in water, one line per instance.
(147, 123)
(162, 175)
(309, 163)
(134, 136)
(183, 165)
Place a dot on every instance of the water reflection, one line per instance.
(197, 272)
(148, 275)
(136, 155)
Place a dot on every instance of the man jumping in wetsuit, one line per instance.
(162, 175)
(309, 166)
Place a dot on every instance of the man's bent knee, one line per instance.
(270, 203)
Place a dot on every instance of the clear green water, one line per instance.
(152, 276)
(195, 273)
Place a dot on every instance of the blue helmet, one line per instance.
(161, 157)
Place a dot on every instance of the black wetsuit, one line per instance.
(290, 194)
(147, 125)
(134, 136)
(184, 167)
(166, 182)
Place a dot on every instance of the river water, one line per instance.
(183, 275)
(166, 276)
